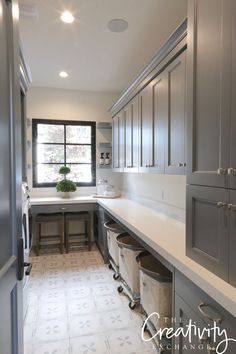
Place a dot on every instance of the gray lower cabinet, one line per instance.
(207, 228)
(211, 66)
(100, 233)
(191, 303)
(131, 122)
(232, 240)
(183, 314)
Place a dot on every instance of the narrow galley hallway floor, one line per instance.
(74, 308)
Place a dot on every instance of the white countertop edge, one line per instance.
(58, 200)
(215, 287)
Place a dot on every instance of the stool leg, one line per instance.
(88, 227)
(38, 236)
(61, 236)
(67, 236)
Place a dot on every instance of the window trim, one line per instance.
(37, 121)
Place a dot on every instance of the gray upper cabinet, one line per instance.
(160, 109)
(209, 90)
(131, 121)
(232, 241)
(146, 128)
(162, 121)
(175, 159)
(115, 142)
(207, 228)
(118, 142)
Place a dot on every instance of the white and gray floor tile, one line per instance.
(74, 308)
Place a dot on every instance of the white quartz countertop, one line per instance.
(166, 236)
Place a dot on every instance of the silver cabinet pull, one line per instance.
(222, 171)
(182, 164)
(149, 166)
(201, 307)
(232, 207)
(222, 205)
(63, 208)
(232, 171)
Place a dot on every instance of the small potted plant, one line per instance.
(65, 185)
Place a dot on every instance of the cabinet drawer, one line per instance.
(63, 208)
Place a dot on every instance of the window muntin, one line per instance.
(57, 143)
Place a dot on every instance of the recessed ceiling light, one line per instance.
(63, 74)
(67, 17)
(118, 25)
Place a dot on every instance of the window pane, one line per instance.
(78, 153)
(49, 133)
(80, 173)
(50, 153)
(78, 134)
(48, 173)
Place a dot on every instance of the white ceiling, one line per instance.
(95, 58)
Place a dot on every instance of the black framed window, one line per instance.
(57, 143)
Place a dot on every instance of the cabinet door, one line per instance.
(175, 160)
(118, 142)
(183, 315)
(232, 241)
(115, 142)
(160, 115)
(131, 118)
(232, 170)
(208, 94)
(121, 140)
(146, 128)
(207, 228)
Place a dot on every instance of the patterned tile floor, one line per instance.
(74, 308)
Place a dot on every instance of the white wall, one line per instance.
(166, 193)
(49, 103)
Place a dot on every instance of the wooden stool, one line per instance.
(76, 238)
(50, 239)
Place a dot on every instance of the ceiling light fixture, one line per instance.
(67, 17)
(63, 74)
(117, 25)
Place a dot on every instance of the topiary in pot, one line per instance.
(65, 185)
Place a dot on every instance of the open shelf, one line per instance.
(104, 125)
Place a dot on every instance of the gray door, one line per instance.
(11, 308)
(207, 228)
(232, 241)
(175, 160)
(232, 169)
(209, 91)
